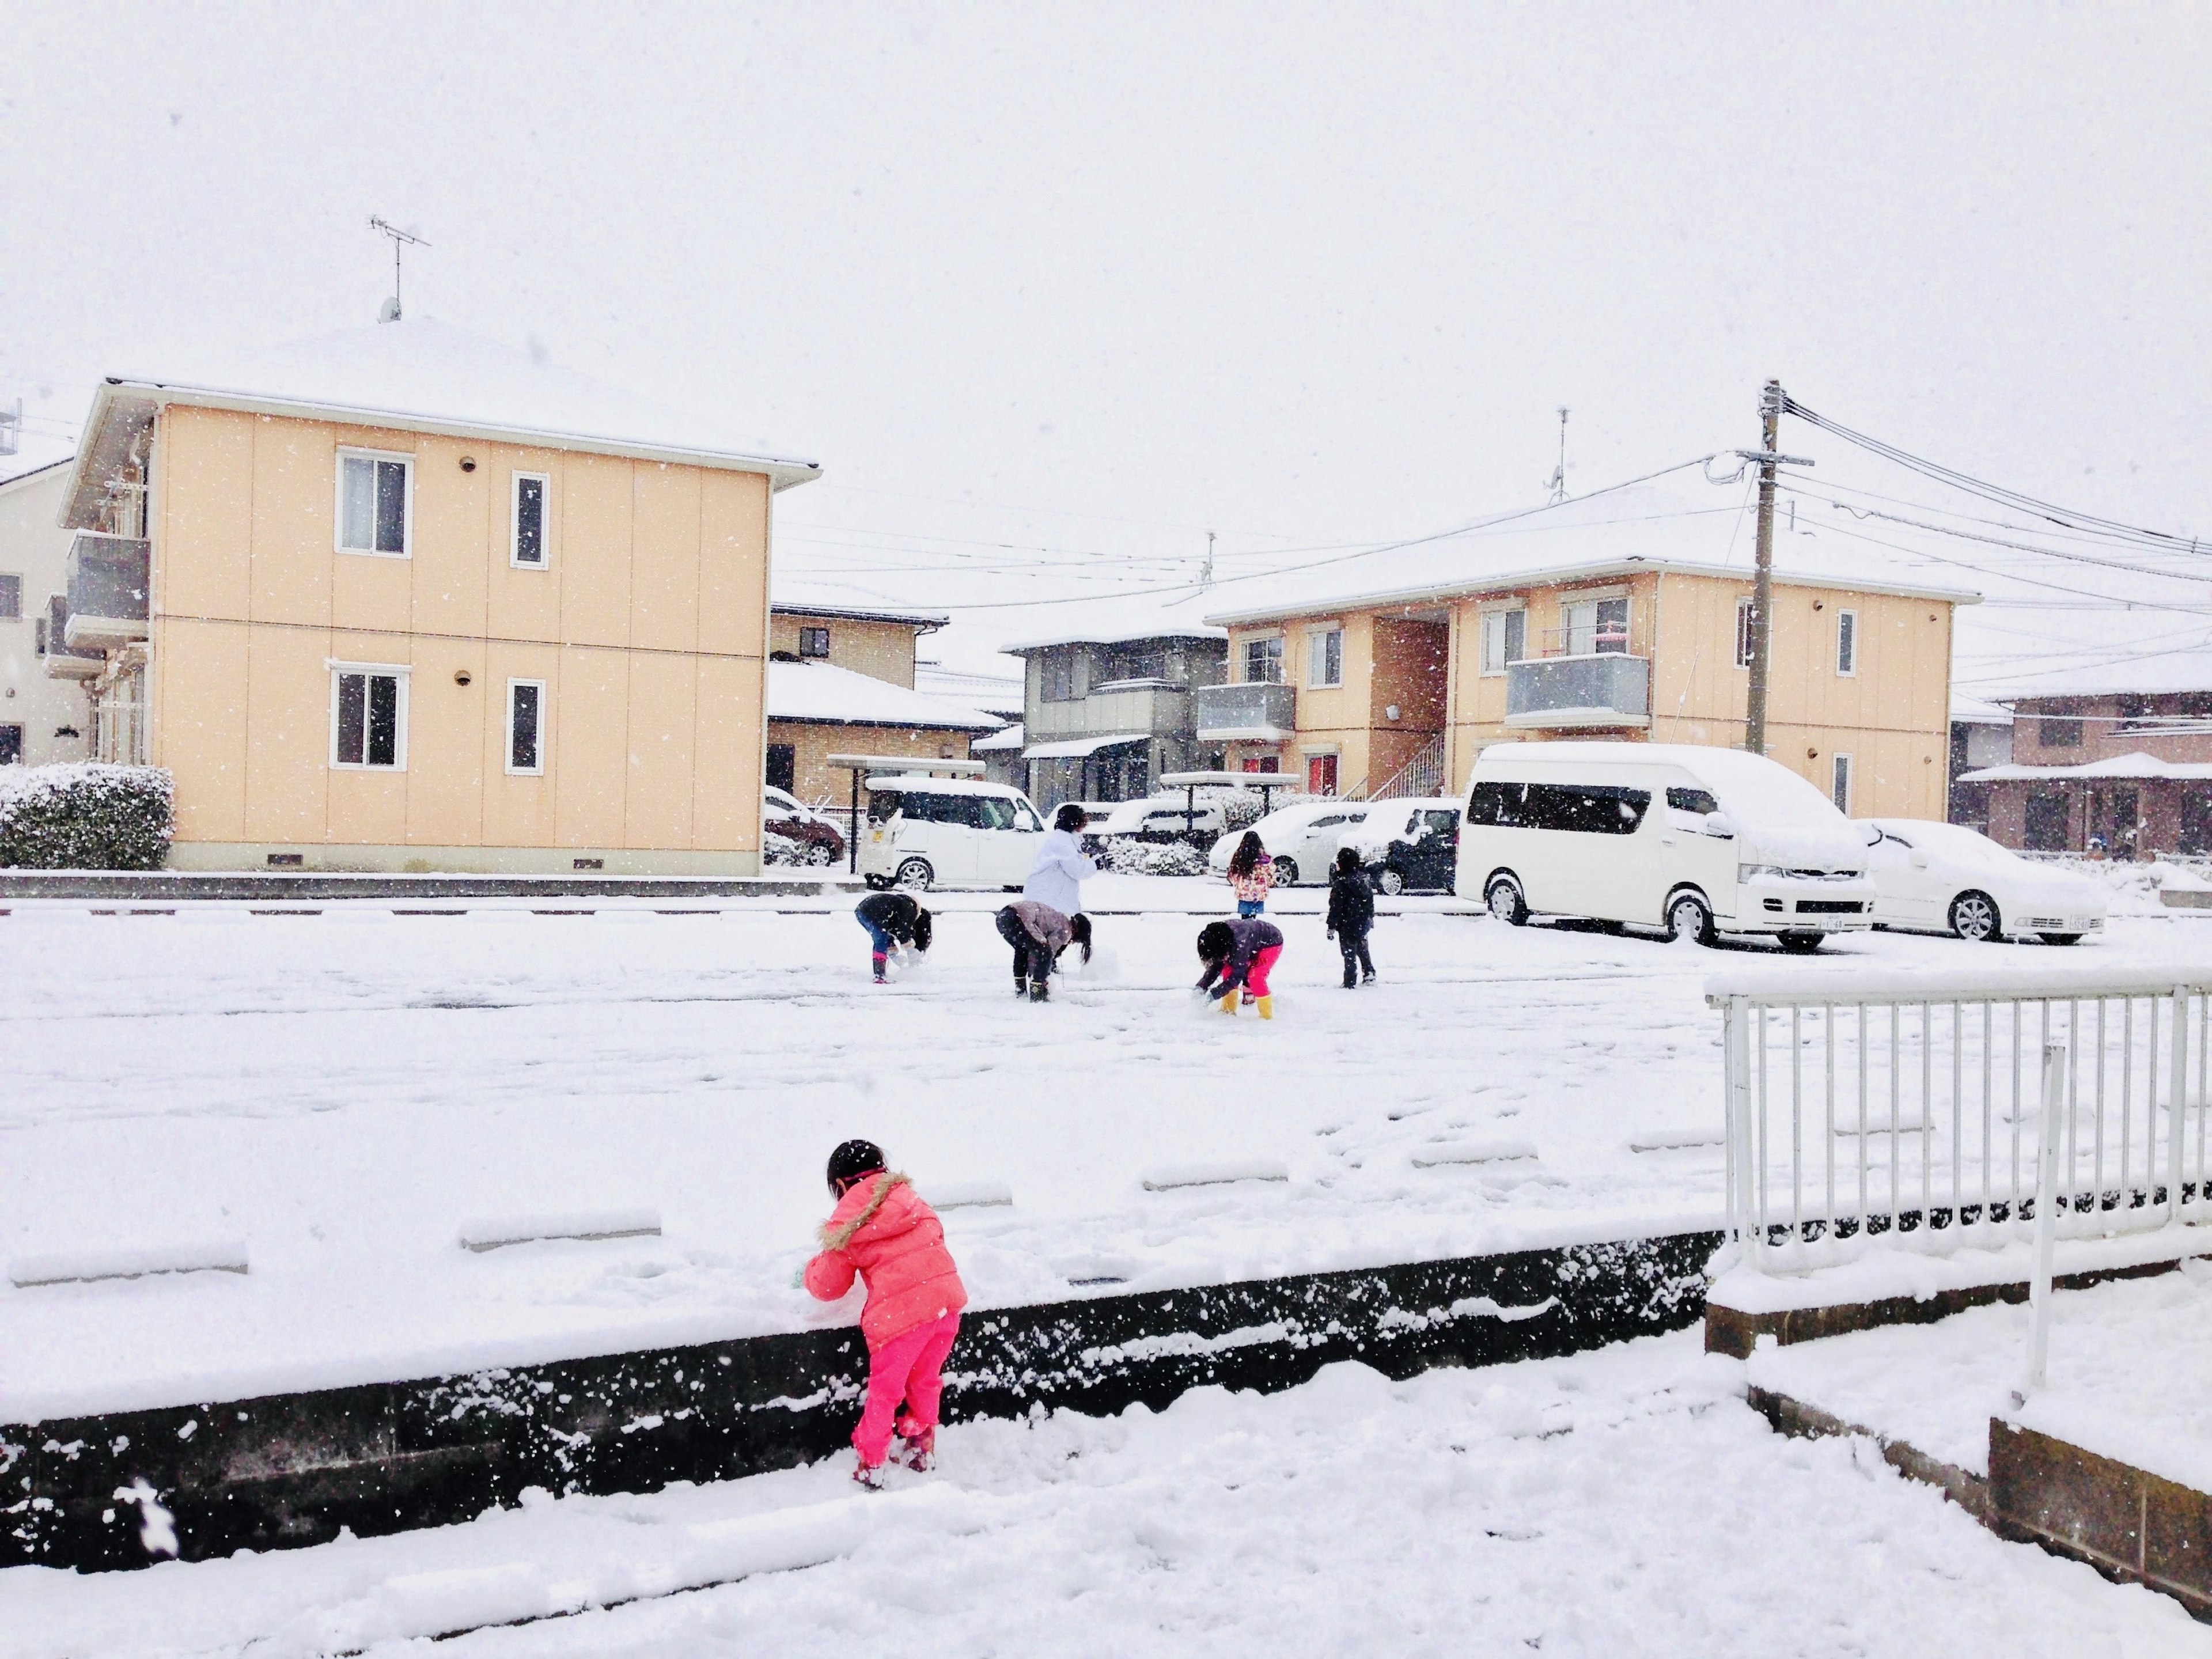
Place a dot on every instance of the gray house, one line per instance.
(1108, 707)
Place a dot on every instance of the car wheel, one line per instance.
(1801, 944)
(915, 875)
(1506, 904)
(1286, 872)
(1689, 917)
(1392, 882)
(2062, 938)
(1974, 916)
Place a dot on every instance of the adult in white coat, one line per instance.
(1056, 878)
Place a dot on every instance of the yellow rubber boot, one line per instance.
(1229, 1003)
(1266, 1007)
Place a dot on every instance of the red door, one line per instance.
(1320, 775)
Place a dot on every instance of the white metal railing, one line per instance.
(1423, 775)
(1903, 1109)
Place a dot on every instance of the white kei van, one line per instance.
(1699, 841)
(926, 832)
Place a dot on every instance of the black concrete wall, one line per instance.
(292, 1469)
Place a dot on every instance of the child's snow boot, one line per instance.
(1040, 990)
(1229, 1002)
(870, 1475)
(1266, 1007)
(1021, 987)
(919, 1451)
(1368, 978)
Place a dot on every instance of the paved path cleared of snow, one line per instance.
(1621, 1502)
(341, 1092)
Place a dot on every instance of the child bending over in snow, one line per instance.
(883, 1232)
(1039, 933)
(1238, 954)
(892, 919)
(1352, 914)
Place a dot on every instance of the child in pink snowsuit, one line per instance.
(883, 1232)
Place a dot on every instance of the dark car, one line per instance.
(782, 815)
(1422, 855)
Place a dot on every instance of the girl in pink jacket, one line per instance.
(883, 1232)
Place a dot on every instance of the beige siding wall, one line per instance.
(647, 626)
(882, 651)
(814, 780)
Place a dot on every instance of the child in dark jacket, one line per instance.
(1039, 933)
(892, 919)
(1239, 954)
(1350, 916)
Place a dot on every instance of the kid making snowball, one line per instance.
(1039, 933)
(883, 1232)
(1251, 873)
(1351, 915)
(1239, 953)
(892, 919)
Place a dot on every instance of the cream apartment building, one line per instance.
(406, 600)
(1394, 690)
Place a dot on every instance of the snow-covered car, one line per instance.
(1944, 877)
(1301, 839)
(1412, 845)
(1699, 841)
(1161, 817)
(782, 815)
(926, 832)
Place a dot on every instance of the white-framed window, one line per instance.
(1325, 657)
(1263, 661)
(814, 643)
(1743, 643)
(1592, 626)
(526, 728)
(369, 716)
(1839, 779)
(1847, 642)
(527, 546)
(376, 502)
(1504, 638)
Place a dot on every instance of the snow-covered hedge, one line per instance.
(84, 816)
(782, 849)
(1126, 856)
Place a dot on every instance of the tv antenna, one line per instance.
(1560, 472)
(391, 312)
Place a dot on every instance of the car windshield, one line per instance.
(884, 804)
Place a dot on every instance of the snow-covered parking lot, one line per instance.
(341, 1092)
(1621, 1502)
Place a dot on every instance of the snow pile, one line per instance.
(1619, 1502)
(86, 1267)
(590, 1226)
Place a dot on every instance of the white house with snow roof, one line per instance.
(46, 713)
(404, 598)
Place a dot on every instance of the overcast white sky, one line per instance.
(1087, 281)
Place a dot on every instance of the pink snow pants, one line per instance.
(1256, 979)
(905, 1368)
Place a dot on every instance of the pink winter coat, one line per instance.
(882, 1231)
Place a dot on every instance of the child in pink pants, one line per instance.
(883, 1232)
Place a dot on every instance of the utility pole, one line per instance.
(1762, 581)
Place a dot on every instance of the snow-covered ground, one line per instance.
(1619, 1502)
(341, 1093)
(2127, 1363)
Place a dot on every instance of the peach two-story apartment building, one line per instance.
(1621, 618)
(405, 600)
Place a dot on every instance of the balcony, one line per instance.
(1258, 713)
(64, 662)
(107, 587)
(1567, 693)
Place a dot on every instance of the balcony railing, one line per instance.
(107, 588)
(1255, 713)
(1561, 694)
(63, 660)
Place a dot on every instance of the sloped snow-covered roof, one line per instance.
(1617, 533)
(820, 691)
(1121, 620)
(2134, 765)
(2150, 668)
(33, 455)
(1969, 710)
(994, 694)
(421, 375)
(999, 743)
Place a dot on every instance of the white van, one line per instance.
(1699, 841)
(926, 832)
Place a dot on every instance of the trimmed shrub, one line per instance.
(1126, 856)
(85, 816)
